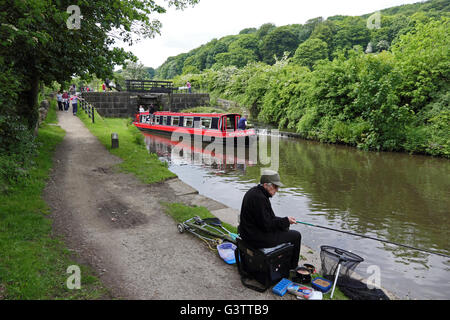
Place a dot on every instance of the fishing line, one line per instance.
(376, 239)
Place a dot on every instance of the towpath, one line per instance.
(116, 225)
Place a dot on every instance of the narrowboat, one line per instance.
(210, 125)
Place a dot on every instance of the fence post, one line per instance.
(93, 112)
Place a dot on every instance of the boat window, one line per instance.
(175, 121)
(157, 120)
(164, 122)
(230, 123)
(215, 123)
(181, 121)
(197, 122)
(206, 123)
(188, 122)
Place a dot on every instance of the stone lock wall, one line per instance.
(111, 104)
(125, 104)
(182, 101)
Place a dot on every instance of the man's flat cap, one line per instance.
(270, 176)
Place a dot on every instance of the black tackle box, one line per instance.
(267, 266)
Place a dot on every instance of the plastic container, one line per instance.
(300, 290)
(321, 284)
(310, 267)
(302, 275)
(316, 295)
(281, 287)
(226, 252)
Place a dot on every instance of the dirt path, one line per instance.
(117, 226)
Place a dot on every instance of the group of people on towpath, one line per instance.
(65, 100)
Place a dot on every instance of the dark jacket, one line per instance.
(258, 223)
(241, 123)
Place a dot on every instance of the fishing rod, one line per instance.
(376, 239)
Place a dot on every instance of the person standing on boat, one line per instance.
(242, 124)
(259, 227)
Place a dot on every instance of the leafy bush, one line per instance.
(17, 148)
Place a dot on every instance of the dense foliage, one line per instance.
(383, 88)
(42, 43)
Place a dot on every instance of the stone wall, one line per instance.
(125, 104)
(182, 101)
(112, 104)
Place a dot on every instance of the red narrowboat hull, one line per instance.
(207, 135)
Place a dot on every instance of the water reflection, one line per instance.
(186, 152)
(393, 196)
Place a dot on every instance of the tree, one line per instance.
(303, 32)
(151, 72)
(325, 31)
(264, 30)
(422, 57)
(246, 41)
(238, 57)
(309, 52)
(248, 31)
(42, 45)
(135, 71)
(390, 28)
(351, 31)
(277, 42)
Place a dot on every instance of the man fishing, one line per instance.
(259, 227)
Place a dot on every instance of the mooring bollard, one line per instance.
(114, 140)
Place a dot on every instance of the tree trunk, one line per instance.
(28, 103)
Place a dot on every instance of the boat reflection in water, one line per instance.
(182, 150)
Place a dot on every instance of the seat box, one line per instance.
(266, 266)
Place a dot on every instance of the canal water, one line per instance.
(393, 196)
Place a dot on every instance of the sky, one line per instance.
(185, 30)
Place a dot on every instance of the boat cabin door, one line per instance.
(231, 122)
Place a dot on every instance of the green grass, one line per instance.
(33, 264)
(180, 212)
(51, 114)
(136, 158)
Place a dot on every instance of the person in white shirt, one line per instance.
(59, 98)
(74, 100)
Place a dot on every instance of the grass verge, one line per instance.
(136, 158)
(180, 212)
(33, 264)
